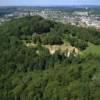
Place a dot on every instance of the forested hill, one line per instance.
(29, 71)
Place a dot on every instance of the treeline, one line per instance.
(28, 73)
(87, 34)
(29, 26)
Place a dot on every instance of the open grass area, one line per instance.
(93, 49)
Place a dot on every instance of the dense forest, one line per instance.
(33, 73)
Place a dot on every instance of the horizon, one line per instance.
(50, 6)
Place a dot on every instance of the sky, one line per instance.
(47, 2)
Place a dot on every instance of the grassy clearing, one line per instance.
(93, 49)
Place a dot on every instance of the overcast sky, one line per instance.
(48, 2)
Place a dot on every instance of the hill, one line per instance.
(28, 70)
